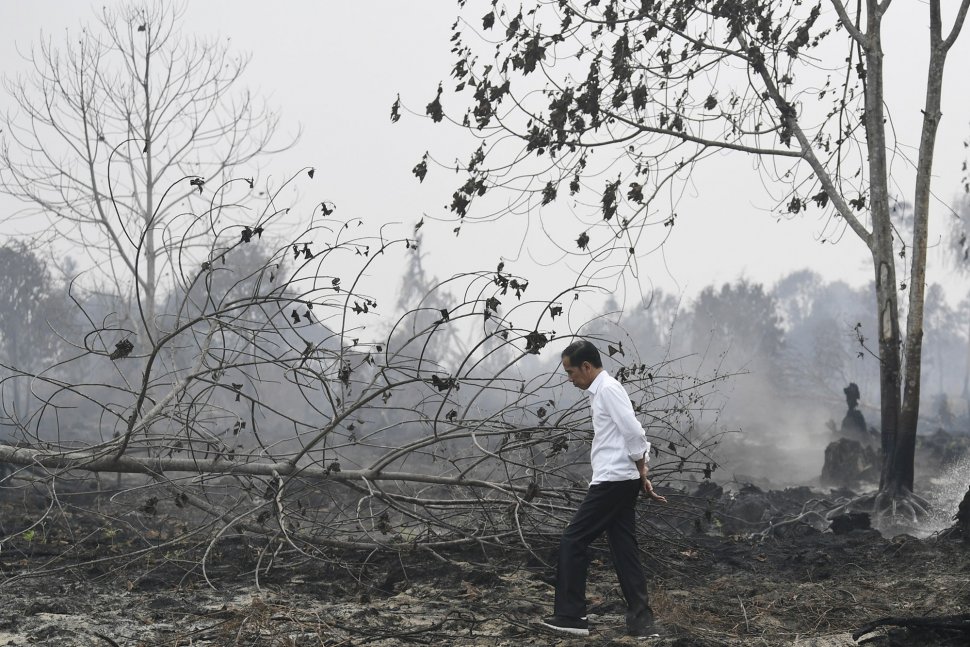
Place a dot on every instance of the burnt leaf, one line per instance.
(420, 169)
(122, 349)
(535, 341)
(459, 203)
(609, 199)
(821, 199)
(434, 109)
(396, 110)
(859, 203)
(444, 383)
(635, 194)
(548, 193)
(574, 185)
(803, 33)
(477, 158)
(532, 54)
(639, 96)
(582, 241)
(513, 27)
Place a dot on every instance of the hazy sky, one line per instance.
(335, 67)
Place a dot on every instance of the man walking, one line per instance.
(619, 460)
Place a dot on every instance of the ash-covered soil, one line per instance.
(714, 585)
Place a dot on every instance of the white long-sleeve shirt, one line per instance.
(618, 437)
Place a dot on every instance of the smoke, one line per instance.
(776, 442)
(944, 492)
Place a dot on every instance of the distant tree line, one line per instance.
(796, 344)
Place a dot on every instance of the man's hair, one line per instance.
(582, 351)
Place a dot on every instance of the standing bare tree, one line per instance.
(108, 121)
(665, 84)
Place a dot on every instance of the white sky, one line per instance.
(334, 67)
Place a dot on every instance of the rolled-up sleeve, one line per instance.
(617, 404)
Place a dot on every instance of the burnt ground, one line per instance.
(715, 585)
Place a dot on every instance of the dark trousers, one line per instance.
(611, 508)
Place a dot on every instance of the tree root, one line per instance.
(899, 513)
(902, 513)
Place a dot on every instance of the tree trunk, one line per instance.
(904, 448)
(883, 260)
(905, 453)
(889, 363)
(151, 281)
(101, 461)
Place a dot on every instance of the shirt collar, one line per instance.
(594, 387)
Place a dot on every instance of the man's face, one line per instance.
(581, 376)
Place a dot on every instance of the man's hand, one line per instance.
(647, 485)
(648, 490)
